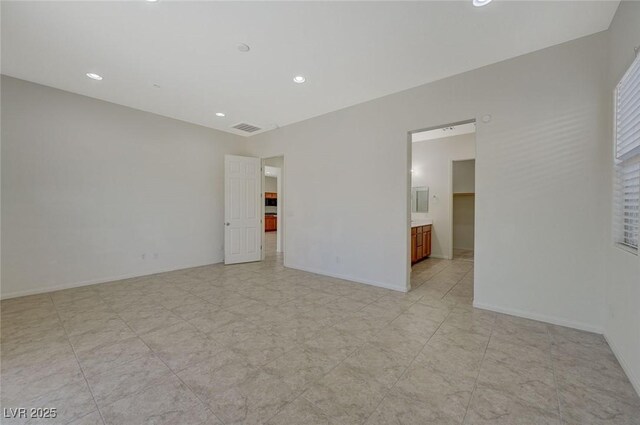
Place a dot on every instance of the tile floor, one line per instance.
(270, 243)
(258, 343)
(463, 254)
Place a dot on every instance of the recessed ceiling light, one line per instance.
(480, 3)
(243, 47)
(220, 114)
(299, 79)
(152, 1)
(94, 76)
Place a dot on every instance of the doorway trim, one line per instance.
(408, 188)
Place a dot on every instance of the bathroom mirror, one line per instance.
(420, 199)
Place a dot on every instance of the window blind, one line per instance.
(627, 158)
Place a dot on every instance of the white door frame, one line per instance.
(279, 209)
(407, 242)
(262, 209)
(408, 189)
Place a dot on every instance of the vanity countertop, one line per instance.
(421, 222)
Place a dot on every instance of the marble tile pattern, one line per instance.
(259, 343)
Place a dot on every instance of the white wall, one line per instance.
(622, 279)
(431, 165)
(347, 181)
(271, 184)
(463, 222)
(276, 161)
(90, 187)
(464, 177)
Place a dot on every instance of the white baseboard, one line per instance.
(96, 281)
(540, 317)
(131, 275)
(635, 381)
(345, 277)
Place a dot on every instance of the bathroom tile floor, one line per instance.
(463, 254)
(260, 343)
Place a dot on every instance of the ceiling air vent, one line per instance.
(243, 126)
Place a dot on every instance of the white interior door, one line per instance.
(242, 207)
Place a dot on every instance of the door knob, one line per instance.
(227, 224)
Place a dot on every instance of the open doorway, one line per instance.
(442, 205)
(273, 195)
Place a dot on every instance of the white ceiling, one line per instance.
(349, 52)
(439, 133)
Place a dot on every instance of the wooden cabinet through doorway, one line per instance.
(420, 243)
(270, 223)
